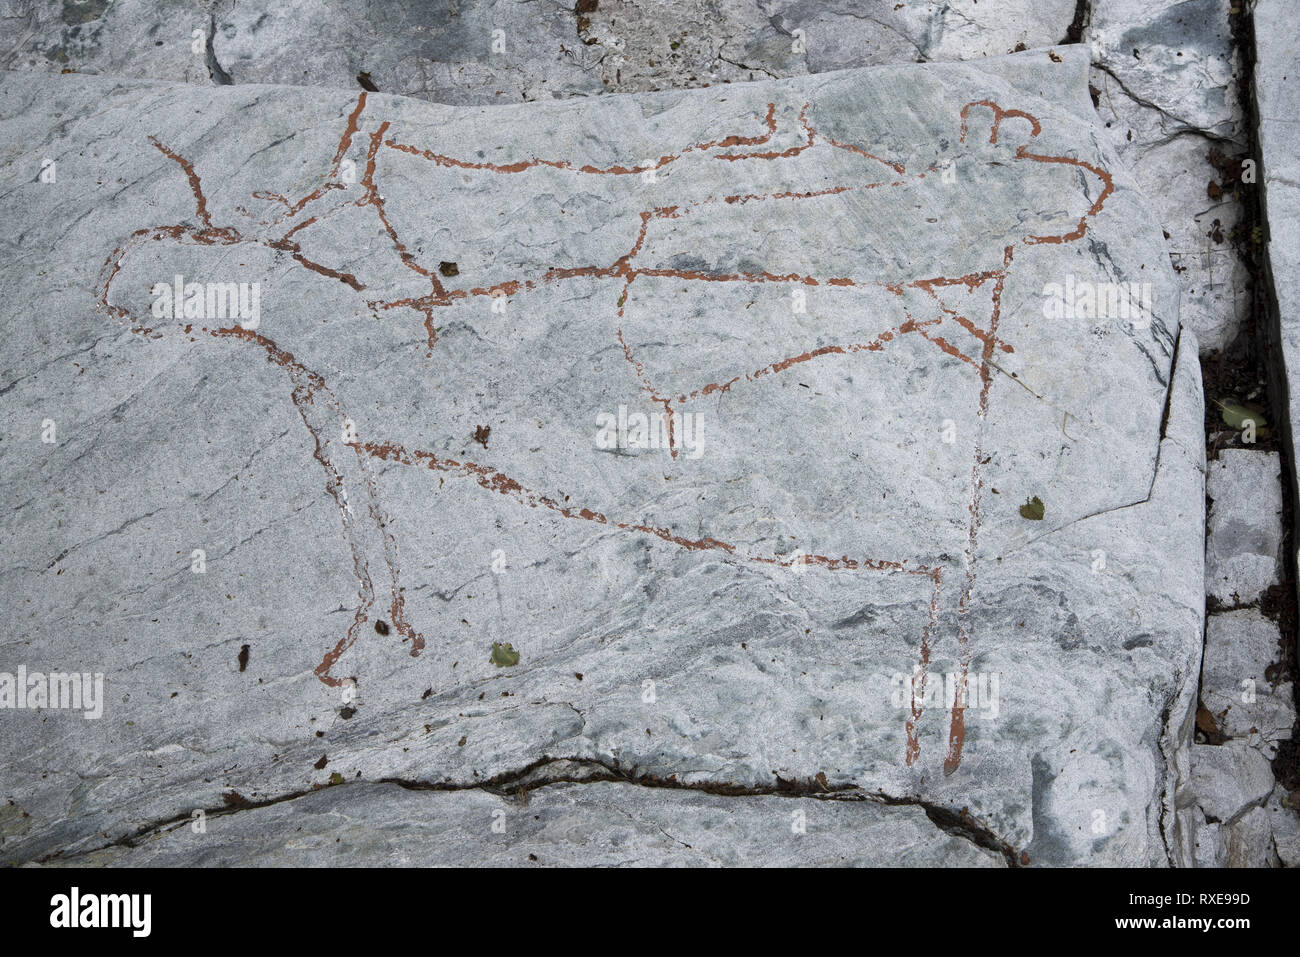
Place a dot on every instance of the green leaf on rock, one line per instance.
(503, 656)
(1032, 509)
(336, 778)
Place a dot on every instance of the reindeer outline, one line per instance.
(317, 405)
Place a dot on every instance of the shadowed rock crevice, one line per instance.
(517, 787)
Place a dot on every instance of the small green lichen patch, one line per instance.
(503, 656)
(1032, 509)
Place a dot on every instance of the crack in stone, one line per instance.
(1155, 471)
(219, 76)
(519, 783)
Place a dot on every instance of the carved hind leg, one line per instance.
(371, 542)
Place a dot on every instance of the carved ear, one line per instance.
(985, 122)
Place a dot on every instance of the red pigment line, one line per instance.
(345, 142)
(495, 481)
(969, 325)
(831, 191)
(622, 302)
(1108, 188)
(778, 154)
(196, 185)
(615, 170)
(1022, 152)
(672, 426)
(636, 364)
(307, 382)
(947, 347)
(366, 592)
(971, 281)
(874, 345)
(302, 225)
(622, 267)
(844, 563)
(293, 249)
(306, 385)
(271, 197)
(957, 728)
(371, 197)
(397, 610)
(648, 386)
(999, 114)
(293, 209)
(739, 199)
(921, 676)
(896, 167)
(754, 277)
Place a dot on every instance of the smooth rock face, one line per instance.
(1277, 101)
(1173, 54)
(1167, 87)
(295, 540)
(1230, 779)
(1244, 525)
(1240, 647)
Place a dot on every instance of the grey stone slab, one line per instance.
(854, 281)
(1284, 820)
(1167, 70)
(1240, 647)
(1277, 101)
(505, 51)
(1230, 779)
(1175, 56)
(1166, 77)
(561, 825)
(1248, 842)
(1243, 549)
(1210, 851)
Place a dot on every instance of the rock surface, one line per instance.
(1241, 649)
(1209, 845)
(1277, 101)
(296, 541)
(1167, 82)
(1248, 842)
(1230, 779)
(1243, 549)
(476, 52)
(1165, 72)
(1285, 822)
(561, 825)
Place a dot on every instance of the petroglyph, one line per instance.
(941, 308)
